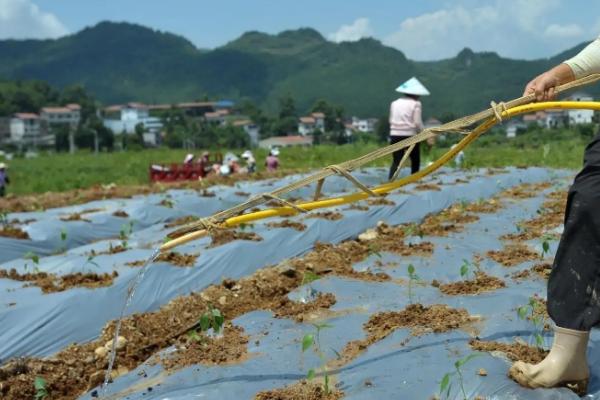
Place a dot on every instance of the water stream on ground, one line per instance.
(130, 293)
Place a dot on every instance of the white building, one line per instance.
(580, 116)
(363, 125)
(513, 127)
(125, 118)
(555, 118)
(70, 114)
(24, 128)
(285, 141)
(306, 126)
(309, 124)
(251, 129)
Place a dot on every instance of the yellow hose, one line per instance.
(388, 187)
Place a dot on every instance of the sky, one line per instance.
(423, 29)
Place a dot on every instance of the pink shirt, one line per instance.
(405, 117)
(272, 163)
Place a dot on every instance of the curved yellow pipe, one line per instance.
(388, 187)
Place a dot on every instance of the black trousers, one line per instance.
(415, 156)
(574, 284)
(2, 191)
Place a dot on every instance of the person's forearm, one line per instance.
(587, 61)
(562, 73)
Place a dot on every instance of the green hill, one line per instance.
(120, 62)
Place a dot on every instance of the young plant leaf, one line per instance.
(445, 382)
(522, 312)
(311, 374)
(204, 322)
(307, 341)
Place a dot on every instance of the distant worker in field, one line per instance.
(573, 299)
(250, 161)
(3, 179)
(406, 121)
(272, 162)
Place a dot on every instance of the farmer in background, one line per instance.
(250, 161)
(272, 162)
(574, 284)
(406, 121)
(3, 179)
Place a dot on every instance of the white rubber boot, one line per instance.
(565, 365)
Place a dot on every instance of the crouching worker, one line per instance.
(574, 283)
(3, 179)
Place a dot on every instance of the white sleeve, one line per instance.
(587, 62)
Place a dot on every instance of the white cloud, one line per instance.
(564, 31)
(22, 19)
(517, 29)
(350, 33)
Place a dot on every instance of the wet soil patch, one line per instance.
(13, 232)
(513, 254)
(50, 283)
(242, 194)
(482, 283)
(120, 214)
(419, 319)
(526, 190)
(303, 390)
(230, 347)
(178, 259)
(513, 351)
(286, 223)
(222, 236)
(206, 193)
(380, 201)
(299, 311)
(450, 220)
(328, 215)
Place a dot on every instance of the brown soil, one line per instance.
(79, 216)
(541, 270)
(514, 351)
(50, 283)
(427, 186)
(13, 232)
(357, 207)
(328, 215)
(229, 348)
(303, 390)
(167, 203)
(223, 236)
(551, 216)
(526, 190)
(513, 254)
(421, 320)
(120, 214)
(482, 283)
(286, 223)
(111, 250)
(181, 221)
(300, 311)
(242, 194)
(380, 201)
(496, 171)
(485, 206)
(451, 220)
(42, 201)
(206, 193)
(459, 180)
(178, 259)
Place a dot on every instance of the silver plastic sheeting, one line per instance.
(41, 325)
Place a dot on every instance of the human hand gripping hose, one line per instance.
(486, 119)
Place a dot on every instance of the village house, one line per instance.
(309, 124)
(580, 116)
(285, 141)
(25, 129)
(125, 118)
(364, 125)
(67, 115)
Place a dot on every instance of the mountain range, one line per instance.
(120, 62)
